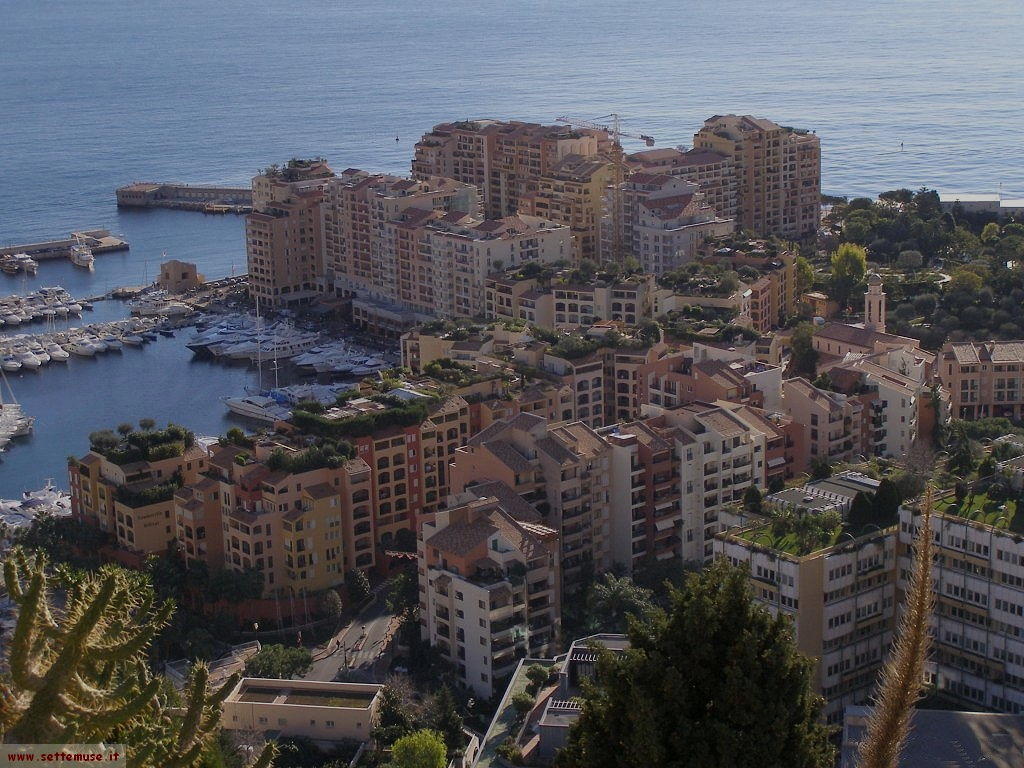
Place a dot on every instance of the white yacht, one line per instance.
(41, 354)
(132, 340)
(57, 353)
(75, 307)
(113, 343)
(83, 347)
(10, 363)
(257, 407)
(28, 360)
(81, 255)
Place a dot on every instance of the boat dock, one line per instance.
(98, 240)
(185, 197)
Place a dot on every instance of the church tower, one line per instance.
(874, 304)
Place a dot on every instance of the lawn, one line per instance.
(1001, 514)
(788, 542)
(505, 723)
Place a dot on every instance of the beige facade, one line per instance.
(831, 421)
(179, 276)
(712, 171)
(665, 221)
(983, 379)
(284, 234)
(370, 227)
(841, 600)
(504, 160)
(574, 193)
(489, 585)
(778, 171)
(315, 710)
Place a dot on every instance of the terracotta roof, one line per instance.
(508, 455)
(865, 337)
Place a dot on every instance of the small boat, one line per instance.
(166, 332)
(12, 319)
(61, 310)
(257, 407)
(86, 305)
(83, 348)
(10, 363)
(133, 340)
(41, 354)
(28, 360)
(113, 343)
(75, 307)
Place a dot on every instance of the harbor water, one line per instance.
(900, 91)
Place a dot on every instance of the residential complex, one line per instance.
(489, 583)
(504, 160)
(284, 236)
(664, 221)
(841, 599)
(778, 173)
(712, 171)
(983, 379)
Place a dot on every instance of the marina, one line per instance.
(95, 240)
(20, 512)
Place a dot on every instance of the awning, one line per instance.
(778, 461)
(663, 525)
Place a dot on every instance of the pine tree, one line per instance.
(80, 675)
(717, 681)
(443, 718)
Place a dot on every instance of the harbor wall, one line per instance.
(188, 197)
(98, 240)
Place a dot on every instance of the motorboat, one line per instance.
(10, 363)
(75, 307)
(113, 343)
(28, 360)
(57, 353)
(133, 340)
(83, 347)
(258, 407)
(40, 353)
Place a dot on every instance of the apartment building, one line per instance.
(490, 585)
(840, 598)
(983, 378)
(457, 253)
(504, 160)
(565, 304)
(832, 421)
(302, 524)
(665, 221)
(645, 480)
(131, 498)
(560, 469)
(682, 377)
(284, 234)
(778, 173)
(977, 629)
(891, 404)
(370, 227)
(410, 466)
(574, 193)
(712, 171)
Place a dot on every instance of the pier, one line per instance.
(186, 197)
(98, 240)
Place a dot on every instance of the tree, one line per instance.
(403, 594)
(146, 425)
(358, 586)
(442, 717)
(752, 500)
(124, 429)
(987, 467)
(331, 605)
(279, 661)
(537, 676)
(909, 260)
(821, 468)
(422, 749)
(715, 682)
(990, 233)
(887, 500)
(522, 702)
(396, 717)
(805, 356)
(804, 274)
(862, 512)
(78, 672)
(849, 265)
(965, 280)
(613, 599)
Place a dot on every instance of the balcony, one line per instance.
(505, 625)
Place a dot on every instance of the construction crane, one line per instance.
(614, 128)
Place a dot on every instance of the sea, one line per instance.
(903, 93)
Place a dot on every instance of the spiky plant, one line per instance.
(902, 679)
(78, 672)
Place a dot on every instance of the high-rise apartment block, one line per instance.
(504, 160)
(490, 587)
(665, 221)
(778, 172)
(284, 233)
(712, 171)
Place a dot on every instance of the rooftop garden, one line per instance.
(454, 373)
(328, 454)
(154, 494)
(295, 168)
(797, 534)
(994, 507)
(146, 443)
(400, 414)
(698, 279)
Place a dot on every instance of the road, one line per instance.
(360, 652)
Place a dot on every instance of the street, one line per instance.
(360, 652)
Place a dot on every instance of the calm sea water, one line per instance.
(101, 93)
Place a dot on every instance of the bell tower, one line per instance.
(874, 304)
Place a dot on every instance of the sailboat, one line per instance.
(13, 421)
